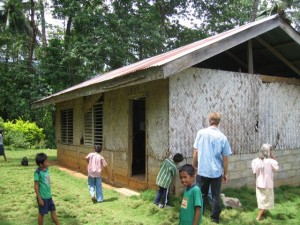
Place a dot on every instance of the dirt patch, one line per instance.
(123, 191)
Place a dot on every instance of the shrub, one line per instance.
(15, 139)
(23, 134)
(1, 124)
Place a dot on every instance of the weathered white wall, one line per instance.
(279, 115)
(194, 93)
(252, 112)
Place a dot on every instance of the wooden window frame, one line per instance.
(67, 126)
(93, 125)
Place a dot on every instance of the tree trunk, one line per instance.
(254, 10)
(43, 22)
(68, 31)
(33, 35)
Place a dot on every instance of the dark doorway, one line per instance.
(139, 136)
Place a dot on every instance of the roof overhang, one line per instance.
(199, 53)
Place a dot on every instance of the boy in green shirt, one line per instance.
(43, 189)
(164, 178)
(191, 209)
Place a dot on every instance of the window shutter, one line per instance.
(98, 123)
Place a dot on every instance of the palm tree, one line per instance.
(14, 20)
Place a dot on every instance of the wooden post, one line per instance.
(250, 57)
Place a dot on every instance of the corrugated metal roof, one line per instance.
(164, 58)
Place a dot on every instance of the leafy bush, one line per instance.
(23, 134)
(1, 124)
(15, 139)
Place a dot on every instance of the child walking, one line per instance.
(43, 189)
(164, 179)
(263, 168)
(191, 209)
(96, 163)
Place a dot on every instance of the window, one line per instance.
(93, 129)
(66, 121)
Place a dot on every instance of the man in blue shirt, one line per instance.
(211, 151)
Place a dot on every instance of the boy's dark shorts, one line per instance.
(2, 150)
(48, 206)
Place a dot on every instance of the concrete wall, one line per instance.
(240, 172)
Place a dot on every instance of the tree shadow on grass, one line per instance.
(2, 222)
(111, 199)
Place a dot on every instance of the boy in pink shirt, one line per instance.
(96, 163)
(263, 168)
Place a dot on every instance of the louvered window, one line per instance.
(66, 121)
(93, 129)
(98, 123)
(88, 128)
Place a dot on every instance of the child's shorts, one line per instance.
(48, 206)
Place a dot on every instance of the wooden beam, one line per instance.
(216, 45)
(290, 31)
(250, 57)
(278, 55)
(283, 44)
(235, 58)
(273, 79)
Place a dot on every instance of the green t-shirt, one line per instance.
(192, 197)
(43, 178)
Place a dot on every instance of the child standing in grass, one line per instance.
(191, 205)
(263, 168)
(2, 152)
(96, 163)
(43, 189)
(164, 179)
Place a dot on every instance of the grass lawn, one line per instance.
(18, 203)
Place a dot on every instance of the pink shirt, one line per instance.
(263, 169)
(96, 163)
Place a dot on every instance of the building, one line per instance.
(144, 112)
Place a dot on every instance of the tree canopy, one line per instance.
(38, 59)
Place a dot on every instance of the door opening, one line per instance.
(139, 137)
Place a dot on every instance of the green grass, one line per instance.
(18, 203)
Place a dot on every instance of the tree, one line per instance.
(254, 10)
(221, 15)
(288, 9)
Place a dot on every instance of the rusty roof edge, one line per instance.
(61, 97)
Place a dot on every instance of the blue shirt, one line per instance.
(212, 145)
